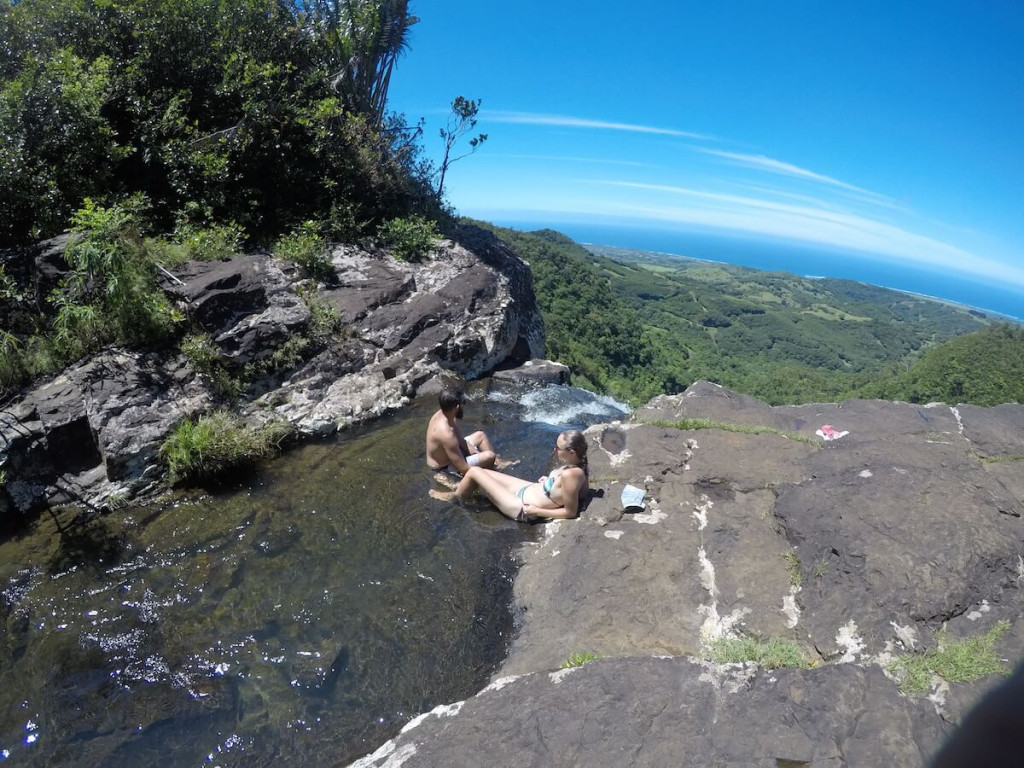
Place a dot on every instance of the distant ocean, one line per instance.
(810, 261)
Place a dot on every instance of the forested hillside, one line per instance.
(779, 337)
(983, 368)
(589, 328)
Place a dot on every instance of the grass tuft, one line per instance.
(1000, 459)
(796, 576)
(772, 653)
(410, 238)
(746, 429)
(216, 443)
(959, 661)
(307, 248)
(579, 658)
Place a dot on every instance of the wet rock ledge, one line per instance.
(904, 532)
(91, 434)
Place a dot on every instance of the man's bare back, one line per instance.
(447, 450)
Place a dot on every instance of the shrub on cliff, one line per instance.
(410, 238)
(983, 368)
(217, 443)
(306, 246)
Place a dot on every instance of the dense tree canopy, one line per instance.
(259, 112)
(983, 368)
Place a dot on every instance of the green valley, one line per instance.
(654, 323)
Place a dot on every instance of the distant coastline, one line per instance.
(917, 294)
(775, 255)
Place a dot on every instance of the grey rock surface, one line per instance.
(673, 712)
(535, 372)
(93, 432)
(896, 537)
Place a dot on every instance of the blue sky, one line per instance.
(893, 129)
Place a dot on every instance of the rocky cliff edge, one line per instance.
(91, 435)
(901, 535)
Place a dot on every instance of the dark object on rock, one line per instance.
(991, 735)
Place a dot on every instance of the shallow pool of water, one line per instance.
(300, 617)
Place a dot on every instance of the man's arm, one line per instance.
(453, 451)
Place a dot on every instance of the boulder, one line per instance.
(460, 311)
(247, 304)
(94, 431)
(535, 372)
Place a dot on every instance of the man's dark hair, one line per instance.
(450, 399)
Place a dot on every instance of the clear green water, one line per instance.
(299, 619)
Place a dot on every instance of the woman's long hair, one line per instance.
(578, 443)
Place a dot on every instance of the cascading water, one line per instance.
(302, 616)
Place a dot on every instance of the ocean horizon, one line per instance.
(774, 255)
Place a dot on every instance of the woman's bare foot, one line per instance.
(505, 463)
(441, 495)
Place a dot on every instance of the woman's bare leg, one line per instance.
(501, 489)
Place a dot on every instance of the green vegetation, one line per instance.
(410, 238)
(588, 327)
(636, 324)
(162, 132)
(772, 653)
(110, 295)
(190, 242)
(216, 443)
(461, 121)
(745, 429)
(205, 358)
(307, 248)
(578, 659)
(958, 661)
(248, 112)
(999, 459)
(796, 576)
(983, 368)
(820, 567)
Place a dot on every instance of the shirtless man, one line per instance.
(447, 450)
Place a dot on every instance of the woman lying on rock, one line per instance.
(557, 495)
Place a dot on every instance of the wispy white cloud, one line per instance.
(572, 159)
(781, 168)
(807, 223)
(565, 121)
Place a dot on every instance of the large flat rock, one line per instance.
(896, 537)
(673, 712)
